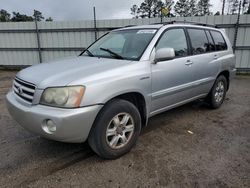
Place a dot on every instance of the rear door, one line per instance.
(204, 59)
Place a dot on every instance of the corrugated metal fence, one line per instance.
(19, 41)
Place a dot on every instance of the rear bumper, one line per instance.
(72, 125)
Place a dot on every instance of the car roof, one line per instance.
(170, 24)
(153, 26)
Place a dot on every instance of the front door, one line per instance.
(171, 79)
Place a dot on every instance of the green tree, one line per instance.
(185, 8)
(17, 17)
(192, 8)
(203, 8)
(38, 15)
(217, 13)
(234, 6)
(134, 11)
(245, 6)
(151, 8)
(248, 10)
(49, 19)
(181, 8)
(146, 9)
(4, 16)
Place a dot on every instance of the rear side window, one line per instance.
(219, 41)
(211, 45)
(199, 41)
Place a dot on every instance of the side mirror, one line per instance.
(164, 54)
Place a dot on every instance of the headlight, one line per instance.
(66, 97)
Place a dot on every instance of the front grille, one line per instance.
(24, 90)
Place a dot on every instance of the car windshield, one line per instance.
(123, 44)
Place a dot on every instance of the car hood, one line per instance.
(63, 72)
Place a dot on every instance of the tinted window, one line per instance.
(211, 45)
(174, 38)
(219, 41)
(199, 41)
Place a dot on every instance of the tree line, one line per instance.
(5, 16)
(184, 8)
(232, 6)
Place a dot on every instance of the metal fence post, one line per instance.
(95, 23)
(38, 41)
(236, 29)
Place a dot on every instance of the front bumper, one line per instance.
(72, 125)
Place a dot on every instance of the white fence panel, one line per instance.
(19, 45)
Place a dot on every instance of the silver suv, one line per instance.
(107, 93)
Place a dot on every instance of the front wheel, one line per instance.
(217, 94)
(115, 130)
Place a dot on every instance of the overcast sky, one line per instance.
(79, 9)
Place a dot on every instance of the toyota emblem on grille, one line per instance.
(20, 90)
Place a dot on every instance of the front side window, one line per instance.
(219, 41)
(199, 41)
(123, 44)
(176, 39)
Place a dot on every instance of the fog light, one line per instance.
(49, 126)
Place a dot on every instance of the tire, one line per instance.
(111, 136)
(217, 94)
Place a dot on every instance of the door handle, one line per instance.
(216, 56)
(189, 62)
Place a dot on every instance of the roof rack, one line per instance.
(130, 25)
(187, 22)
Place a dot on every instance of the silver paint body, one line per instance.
(164, 85)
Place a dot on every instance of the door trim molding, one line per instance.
(177, 89)
(176, 105)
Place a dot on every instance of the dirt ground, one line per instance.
(167, 154)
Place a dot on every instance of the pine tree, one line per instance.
(146, 8)
(38, 15)
(4, 16)
(203, 8)
(17, 17)
(185, 8)
(233, 6)
(181, 8)
(192, 8)
(246, 6)
(134, 11)
(156, 8)
(248, 10)
(49, 19)
(217, 13)
(151, 8)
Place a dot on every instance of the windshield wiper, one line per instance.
(89, 53)
(112, 53)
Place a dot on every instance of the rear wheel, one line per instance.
(115, 130)
(217, 94)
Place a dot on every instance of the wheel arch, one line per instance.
(138, 100)
(225, 73)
